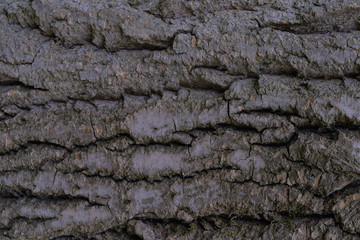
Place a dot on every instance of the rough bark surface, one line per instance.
(174, 119)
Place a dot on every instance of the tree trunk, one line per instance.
(174, 119)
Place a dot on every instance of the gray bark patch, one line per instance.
(174, 119)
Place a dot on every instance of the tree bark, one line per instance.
(174, 119)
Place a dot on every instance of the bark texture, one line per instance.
(174, 119)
